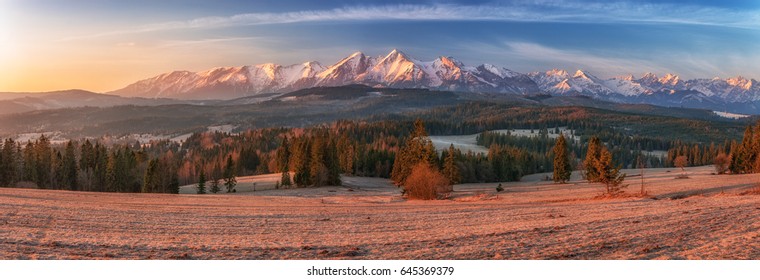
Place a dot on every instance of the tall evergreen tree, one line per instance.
(70, 171)
(201, 182)
(8, 164)
(216, 176)
(740, 158)
(283, 155)
(151, 180)
(229, 174)
(450, 168)
(609, 175)
(593, 154)
(562, 165)
(300, 163)
(43, 159)
(30, 163)
(285, 179)
(418, 149)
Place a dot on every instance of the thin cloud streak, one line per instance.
(542, 11)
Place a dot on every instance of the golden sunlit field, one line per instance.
(704, 217)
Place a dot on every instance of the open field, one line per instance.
(703, 217)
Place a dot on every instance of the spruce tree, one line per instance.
(202, 182)
(418, 149)
(450, 168)
(70, 169)
(593, 154)
(562, 165)
(608, 174)
(216, 175)
(283, 155)
(43, 160)
(229, 174)
(8, 164)
(285, 179)
(151, 180)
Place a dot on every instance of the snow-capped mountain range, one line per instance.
(398, 70)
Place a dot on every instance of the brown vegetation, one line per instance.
(426, 183)
(721, 163)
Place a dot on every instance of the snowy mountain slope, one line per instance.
(398, 70)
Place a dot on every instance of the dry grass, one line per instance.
(533, 220)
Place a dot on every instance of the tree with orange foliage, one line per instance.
(426, 183)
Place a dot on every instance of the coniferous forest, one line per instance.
(318, 155)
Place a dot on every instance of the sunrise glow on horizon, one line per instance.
(48, 45)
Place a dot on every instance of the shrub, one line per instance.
(721, 163)
(426, 183)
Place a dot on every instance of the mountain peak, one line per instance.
(670, 79)
(740, 81)
(396, 54)
(556, 72)
(580, 74)
(450, 62)
(628, 77)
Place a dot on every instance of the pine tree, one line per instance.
(70, 170)
(8, 166)
(317, 168)
(151, 180)
(562, 166)
(418, 149)
(285, 179)
(283, 155)
(216, 175)
(229, 174)
(30, 163)
(201, 182)
(609, 175)
(740, 158)
(300, 163)
(174, 183)
(43, 160)
(450, 168)
(593, 154)
(332, 163)
(57, 174)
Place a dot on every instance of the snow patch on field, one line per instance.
(465, 143)
(730, 115)
(55, 137)
(535, 132)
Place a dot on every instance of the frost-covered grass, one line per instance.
(704, 217)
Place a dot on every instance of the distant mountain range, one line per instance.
(398, 70)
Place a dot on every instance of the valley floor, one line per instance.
(704, 217)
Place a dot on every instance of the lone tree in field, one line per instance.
(229, 175)
(608, 174)
(562, 166)
(450, 169)
(426, 183)
(721, 163)
(681, 162)
(202, 182)
(592, 156)
(418, 149)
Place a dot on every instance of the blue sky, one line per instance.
(103, 45)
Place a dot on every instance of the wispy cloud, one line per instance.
(610, 65)
(533, 11)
